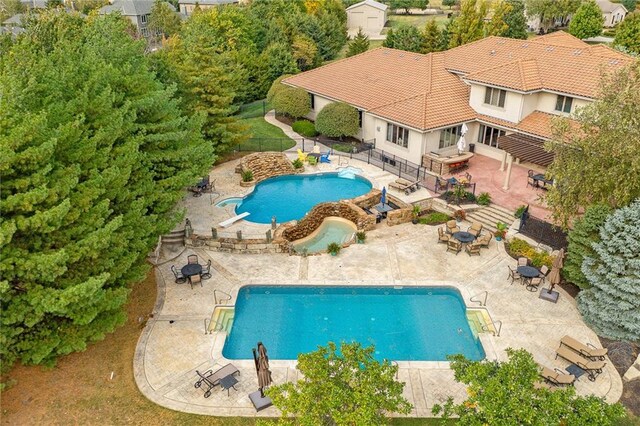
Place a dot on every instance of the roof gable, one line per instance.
(371, 3)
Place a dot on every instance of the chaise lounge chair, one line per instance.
(592, 368)
(212, 378)
(557, 377)
(587, 351)
(404, 185)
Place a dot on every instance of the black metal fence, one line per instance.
(253, 109)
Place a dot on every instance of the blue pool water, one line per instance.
(290, 197)
(417, 323)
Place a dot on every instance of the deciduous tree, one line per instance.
(337, 119)
(359, 44)
(95, 154)
(305, 52)
(587, 21)
(345, 387)
(469, 25)
(504, 393)
(404, 37)
(449, 3)
(612, 304)
(163, 19)
(550, 10)
(628, 34)
(585, 232)
(431, 38)
(407, 5)
(496, 26)
(597, 163)
(515, 20)
(8, 8)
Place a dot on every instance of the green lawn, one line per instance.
(263, 136)
(418, 21)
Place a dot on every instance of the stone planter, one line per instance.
(247, 184)
(300, 170)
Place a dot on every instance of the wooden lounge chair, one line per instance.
(442, 237)
(484, 239)
(592, 368)
(452, 227)
(475, 229)
(212, 378)
(454, 246)
(472, 248)
(404, 185)
(587, 351)
(557, 377)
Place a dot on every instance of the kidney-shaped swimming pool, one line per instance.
(290, 197)
(404, 324)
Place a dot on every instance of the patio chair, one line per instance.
(180, 279)
(523, 261)
(557, 377)
(192, 258)
(475, 229)
(544, 271)
(316, 149)
(452, 227)
(473, 248)
(324, 158)
(533, 283)
(195, 279)
(441, 184)
(484, 239)
(587, 351)
(211, 378)
(442, 237)
(302, 156)
(454, 245)
(592, 368)
(206, 271)
(514, 275)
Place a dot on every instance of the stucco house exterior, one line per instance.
(612, 12)
(187, 6)
(369, 15)
(137, 11)
(506, 91)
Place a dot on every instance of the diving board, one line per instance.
(233, 220)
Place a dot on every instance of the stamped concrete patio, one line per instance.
(174, 343)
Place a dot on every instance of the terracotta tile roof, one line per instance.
(409, 88)
(565, 64)
(537, 123)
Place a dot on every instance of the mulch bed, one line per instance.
(545, 233)
(623, 355)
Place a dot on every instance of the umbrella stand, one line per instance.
(554, 278)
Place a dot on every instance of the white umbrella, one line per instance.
(464, 129)
(462, 143)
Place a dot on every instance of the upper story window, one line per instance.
(495, 97)
(313, 101)
(450, 136)
(563, 104)
(398, 135)
(143, 18)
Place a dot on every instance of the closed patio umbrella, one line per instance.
(462, 144)
(554, 278)
(383, 198)
(464, 129)
(264, 374)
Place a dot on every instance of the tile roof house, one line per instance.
(414, 105)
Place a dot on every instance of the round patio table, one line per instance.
(464, 237)
(191, 269)
(528, 272)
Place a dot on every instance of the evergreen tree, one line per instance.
(612, 305)
(469, 25)
(515, 20)
(628, 34)
(431, 38)
(585, 232)
(359, 44)
(333, 36)
(277, 60)
(445, 35)
(630, 5)
(548, 11)
(95, 154)
(449, 3)
(405, 37)
(587, 21)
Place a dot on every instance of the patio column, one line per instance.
(504, 160)
(507, 177)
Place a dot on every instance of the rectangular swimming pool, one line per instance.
(404, 324)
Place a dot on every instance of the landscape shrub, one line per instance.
(337, 119)
(305, 128)
(434, 218)
(342, 147)
(521, 248)
(247, 176)
(292, 101)
(276, 87)
(520, 211)
(484, 199)
(297, 164)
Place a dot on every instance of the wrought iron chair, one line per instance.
(180, 279)
(206, 271)
(192, 258)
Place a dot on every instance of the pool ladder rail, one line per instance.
(225, 298)
(482, 302)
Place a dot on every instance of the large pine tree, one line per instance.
(95, 154)
(359, 44)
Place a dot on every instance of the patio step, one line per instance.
(490, 215)
(480, 322)
(222, 319)
(174, 237)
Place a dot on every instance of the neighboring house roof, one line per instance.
(425, 92)
(208, 2)
(12, 30)
(371, 3)
(37, 4)
(608, 7)
(15, 20)
(130, 7)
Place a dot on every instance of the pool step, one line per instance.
(222, 319)
(480, 321)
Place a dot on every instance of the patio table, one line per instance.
(228, 382)
(540, 178)
(528, 272)
(191, 269)
(464, 237)
(383, 208)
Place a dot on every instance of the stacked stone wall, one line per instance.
(264, 165)
(344, 209)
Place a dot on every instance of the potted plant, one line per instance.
(247, 178)
(360, 237)
(297, 164)
(416, 213)
(501, 231)
(334, 248)
(460, 215)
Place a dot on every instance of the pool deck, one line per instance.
(173, 345)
